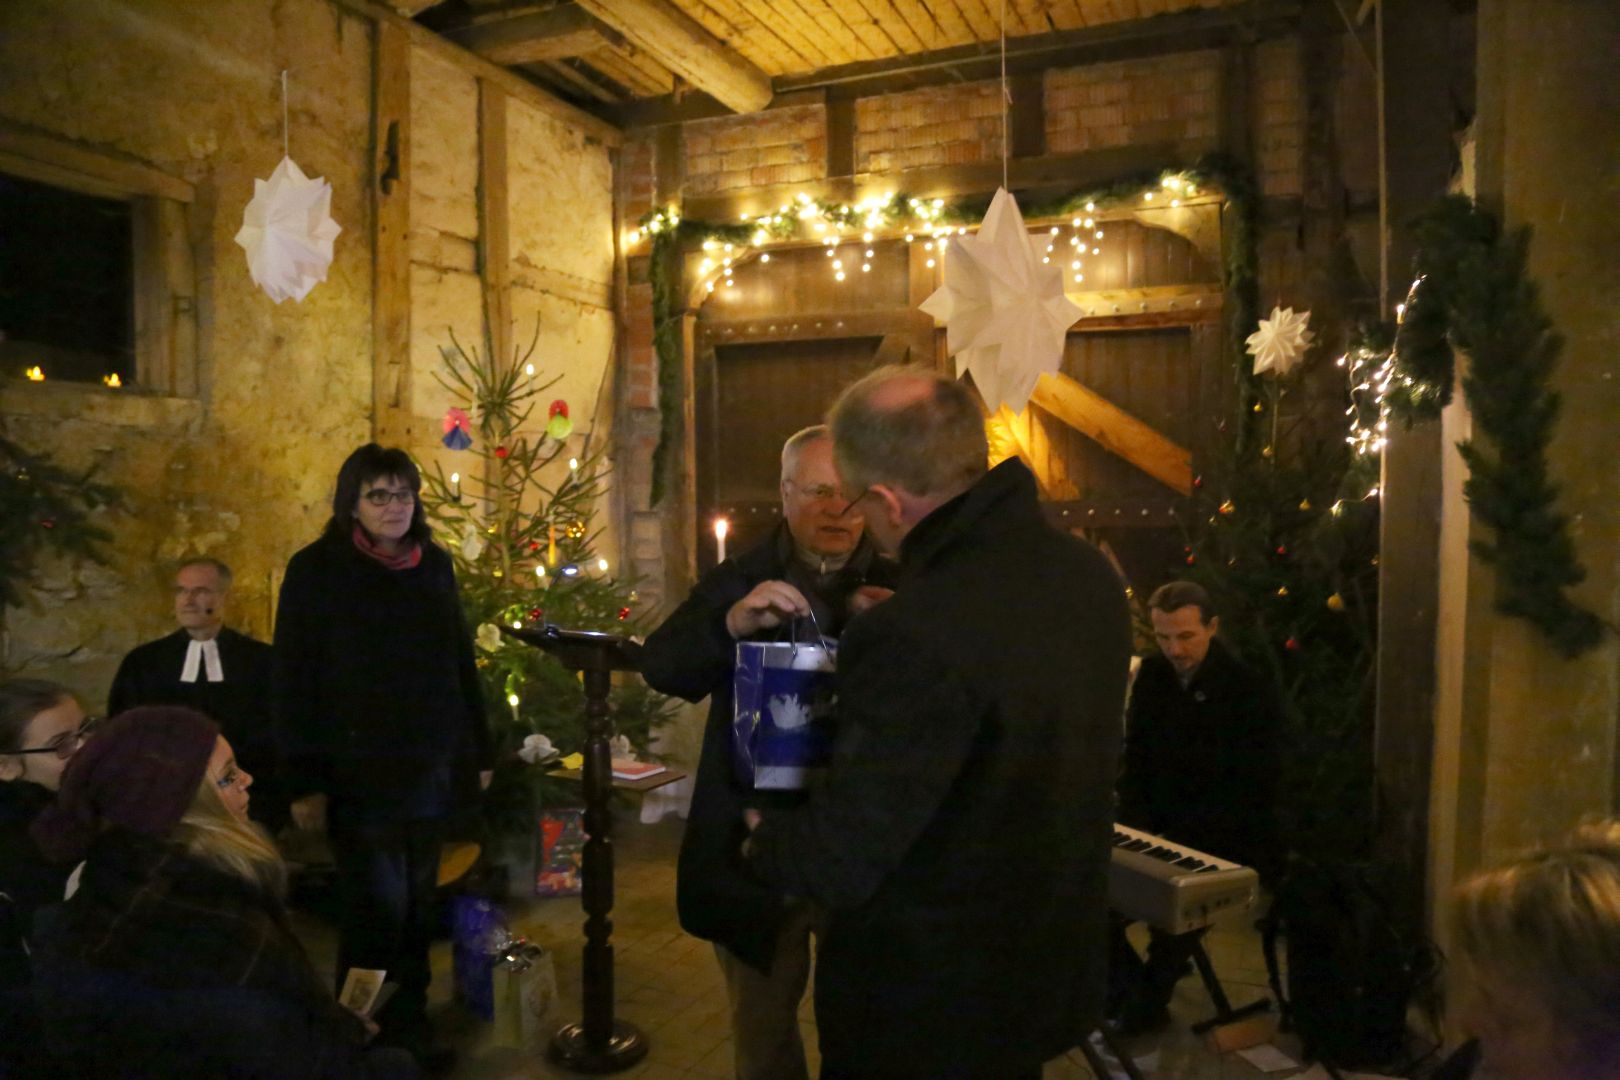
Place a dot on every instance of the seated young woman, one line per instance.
(173, 955)
(41, 726)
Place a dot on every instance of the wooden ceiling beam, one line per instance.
(1167, 34)
(559, 32)
(681, 44)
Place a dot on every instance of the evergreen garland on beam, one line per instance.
(1221, 173)
(1473, 294)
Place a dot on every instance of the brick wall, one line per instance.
(1279, 117)
(778, 146)
(944, 125)
(1168, 99)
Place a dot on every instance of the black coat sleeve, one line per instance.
(691, 652)
(906, 729)
(479, 745)
(125, 692)
(1138, 759)
(296, 683)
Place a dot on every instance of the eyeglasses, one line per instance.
(382, 496)
(64, 745)
(816, 491)
(851, 504)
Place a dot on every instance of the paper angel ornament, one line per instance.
(1281, 341)
(287, 232)
(457, 429)
(1004, 310)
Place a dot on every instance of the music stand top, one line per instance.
(581, 650)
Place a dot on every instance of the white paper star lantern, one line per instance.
(1004, 311)
(1281, 341)
(287, 232)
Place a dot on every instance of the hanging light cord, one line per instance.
(1006, 97)
(285, 151)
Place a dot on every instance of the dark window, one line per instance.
(66, 284)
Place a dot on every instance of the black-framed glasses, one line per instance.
(382, 496)
(851, 504)
(64, 745)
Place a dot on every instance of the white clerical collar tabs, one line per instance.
(205, 655)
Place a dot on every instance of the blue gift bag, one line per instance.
(782, 726)
(478, 934)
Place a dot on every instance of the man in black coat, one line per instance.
(817, 559)
(1201, 763)
(207, 666)
(961, 836)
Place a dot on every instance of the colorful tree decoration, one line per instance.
(514, 517)
(457, 429)
(558, 425)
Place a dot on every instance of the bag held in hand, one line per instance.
(782, 726)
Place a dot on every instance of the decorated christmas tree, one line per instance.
(518, 520)
(45, 508)
(1285, 538)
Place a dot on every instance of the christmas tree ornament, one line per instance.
(558, 426)
(1228, 507)
(1282, 549)
(624, 613)
(536, 614)
(1282, 590)
(1304, 504)
(1198, 481)
(457, 429)
(1292, 644)
(1281, 341)
(1192, 560)
(287, 232)
(575, 530)
(1258, 407)
(502, 452)
(1335, 602)
(488, 637)
(472, 544)
(1004, 311)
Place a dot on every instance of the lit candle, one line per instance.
(455, 486)
(721, 527)
(513, 700)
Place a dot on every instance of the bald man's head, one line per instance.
(911, 429)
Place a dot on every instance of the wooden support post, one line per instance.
(840, 137)
(1115, 430)
(390, 238)
(494, 211)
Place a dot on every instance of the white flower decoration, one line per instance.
(536, 748)
(488, 637)
(1281, 341)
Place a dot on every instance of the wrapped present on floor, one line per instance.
(478, 937)
(525, 991)
(782, 725)
(562, 846)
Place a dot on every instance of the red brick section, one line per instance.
(1279, 117)
(944, 125)
(637, 172)
(778, 146)
(1164, 100)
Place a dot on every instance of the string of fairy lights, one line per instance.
(847, 232)
(1372, 372)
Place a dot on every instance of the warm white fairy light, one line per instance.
(602, 565)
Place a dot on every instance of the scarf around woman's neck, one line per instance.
(405, 560)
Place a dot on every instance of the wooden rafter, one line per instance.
(565, 30)
(681, 44)
(1115, 430)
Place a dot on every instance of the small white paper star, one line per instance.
(1004, 312)
(287, 232)
(1281, 341)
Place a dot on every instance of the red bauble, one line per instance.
(534, 545)
(1292, 645)
(536, 614)
(624, 613)
(1198, 481)
(1282, 549)
(558, 408)
(501, 452)
(1192, 560)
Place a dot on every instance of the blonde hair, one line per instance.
(1550, 922)
(210, 832)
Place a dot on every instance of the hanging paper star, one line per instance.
(1281, 341)
(287, 232)
(1004, 311)
(457, 429)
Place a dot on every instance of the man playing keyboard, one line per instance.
(1200, 769)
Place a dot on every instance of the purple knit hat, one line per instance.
(139, 771)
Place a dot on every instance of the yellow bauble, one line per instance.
(1335, 602)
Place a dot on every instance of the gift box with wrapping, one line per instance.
(782, 725)
(562, 844)
(525, 995)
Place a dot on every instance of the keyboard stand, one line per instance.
(1224, 1013)
(1099, 1068)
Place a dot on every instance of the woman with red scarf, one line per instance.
(381, 719)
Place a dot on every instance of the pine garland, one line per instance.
(1473, 294)
(1216, 172)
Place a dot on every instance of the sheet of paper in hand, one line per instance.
(360, 989)
(786, 700)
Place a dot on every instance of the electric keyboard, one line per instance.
(1171, 886)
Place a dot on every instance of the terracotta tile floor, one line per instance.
(668, 984)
